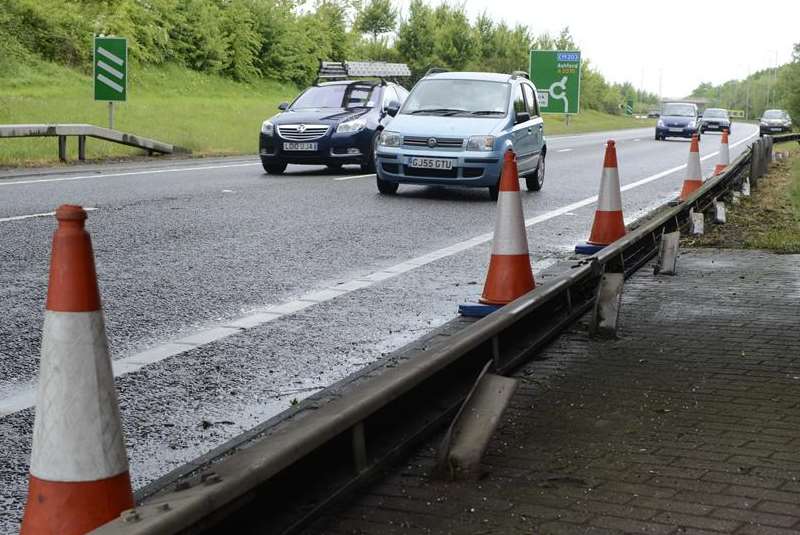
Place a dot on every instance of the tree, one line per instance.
(377, 18)
(416, 38)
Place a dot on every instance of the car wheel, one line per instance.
(535, 182)
(368, 165)
(385, 187)
(658, 138)
(494, 192)
(272, 167)
(335, 166)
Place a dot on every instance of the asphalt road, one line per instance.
(229, 292)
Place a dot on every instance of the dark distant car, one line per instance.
(653, 114)
(678, 119)
(331, 123)
(774, 121)
(715, 119)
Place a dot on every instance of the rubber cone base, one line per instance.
(477, 310)
(588, 248)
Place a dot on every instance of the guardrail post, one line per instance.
(62, 148)
(359, 448)
(755, 167)
(82, 148)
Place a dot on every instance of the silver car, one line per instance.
(715, 119)
(775, 121)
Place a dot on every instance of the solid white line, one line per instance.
(108, 68)
(24, 398)
(126, 173)
(339, 178)
(563, 150)
(110, 83)
(108, 55)
(31, 216)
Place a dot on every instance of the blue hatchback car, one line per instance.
(454, 129)
(678, 119)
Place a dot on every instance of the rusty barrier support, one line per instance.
(284, 473)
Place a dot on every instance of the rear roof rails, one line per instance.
(435, 70)
(517, 74)
(344, 70)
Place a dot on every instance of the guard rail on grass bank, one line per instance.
(82, 131)
(280, 476)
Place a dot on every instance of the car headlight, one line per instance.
(351, 126)
(480, 143)
(390, 139)
(267, 128)
(660, 123)
(692, 124)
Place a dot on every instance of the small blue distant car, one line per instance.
(454, 129)
(678, 119)
(332, 123)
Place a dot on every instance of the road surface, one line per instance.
(229, 293)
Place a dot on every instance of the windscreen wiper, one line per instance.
(448, 111)
(487, 112)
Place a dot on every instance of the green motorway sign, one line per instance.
(110, 68)
(557, 77)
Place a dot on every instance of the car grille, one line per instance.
(309, 132)
(441, 142)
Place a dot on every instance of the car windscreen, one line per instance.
(683, 110)
(458, 97)
(335, 96)
(773, 114)
(716, 114)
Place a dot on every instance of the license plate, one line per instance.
(300, 146)
(776, 129)
(676, 129)
(431, 163)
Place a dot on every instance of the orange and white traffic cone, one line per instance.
(694, 173)
(510, 274)
(79, 468)
(724, 154)
(609, 225)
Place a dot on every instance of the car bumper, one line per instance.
(331, 149)
(674, 131)
(472, 169)
(717, 127)
(773, 129)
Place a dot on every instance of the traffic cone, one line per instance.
(694, 174)
(724, 154)
(79, 469)
(608, 226)
(510, 274)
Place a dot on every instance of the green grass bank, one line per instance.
(208, 114)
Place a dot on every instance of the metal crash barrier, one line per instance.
(279, 476)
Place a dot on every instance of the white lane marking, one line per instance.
(339, 178)
(126, 173)
(24, 397)
(31, 216)
(563, 150)
(638, 139)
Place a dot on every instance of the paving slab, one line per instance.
(687, 423)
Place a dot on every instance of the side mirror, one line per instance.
(392, 108)
(522, 117)
(283, 106)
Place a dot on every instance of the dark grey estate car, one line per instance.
(715, 119)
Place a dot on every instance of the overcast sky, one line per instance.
(680, 42)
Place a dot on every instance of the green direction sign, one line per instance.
(629, 106)
(110, 68)
(557, 77)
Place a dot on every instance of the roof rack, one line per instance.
(435, 70)
(342, 70)
(516, 74)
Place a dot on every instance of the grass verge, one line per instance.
(207, 114)
(770, 218)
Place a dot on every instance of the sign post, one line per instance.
(557, 77)
(110, 67)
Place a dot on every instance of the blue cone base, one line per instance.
(588, 248)
(476, 310)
